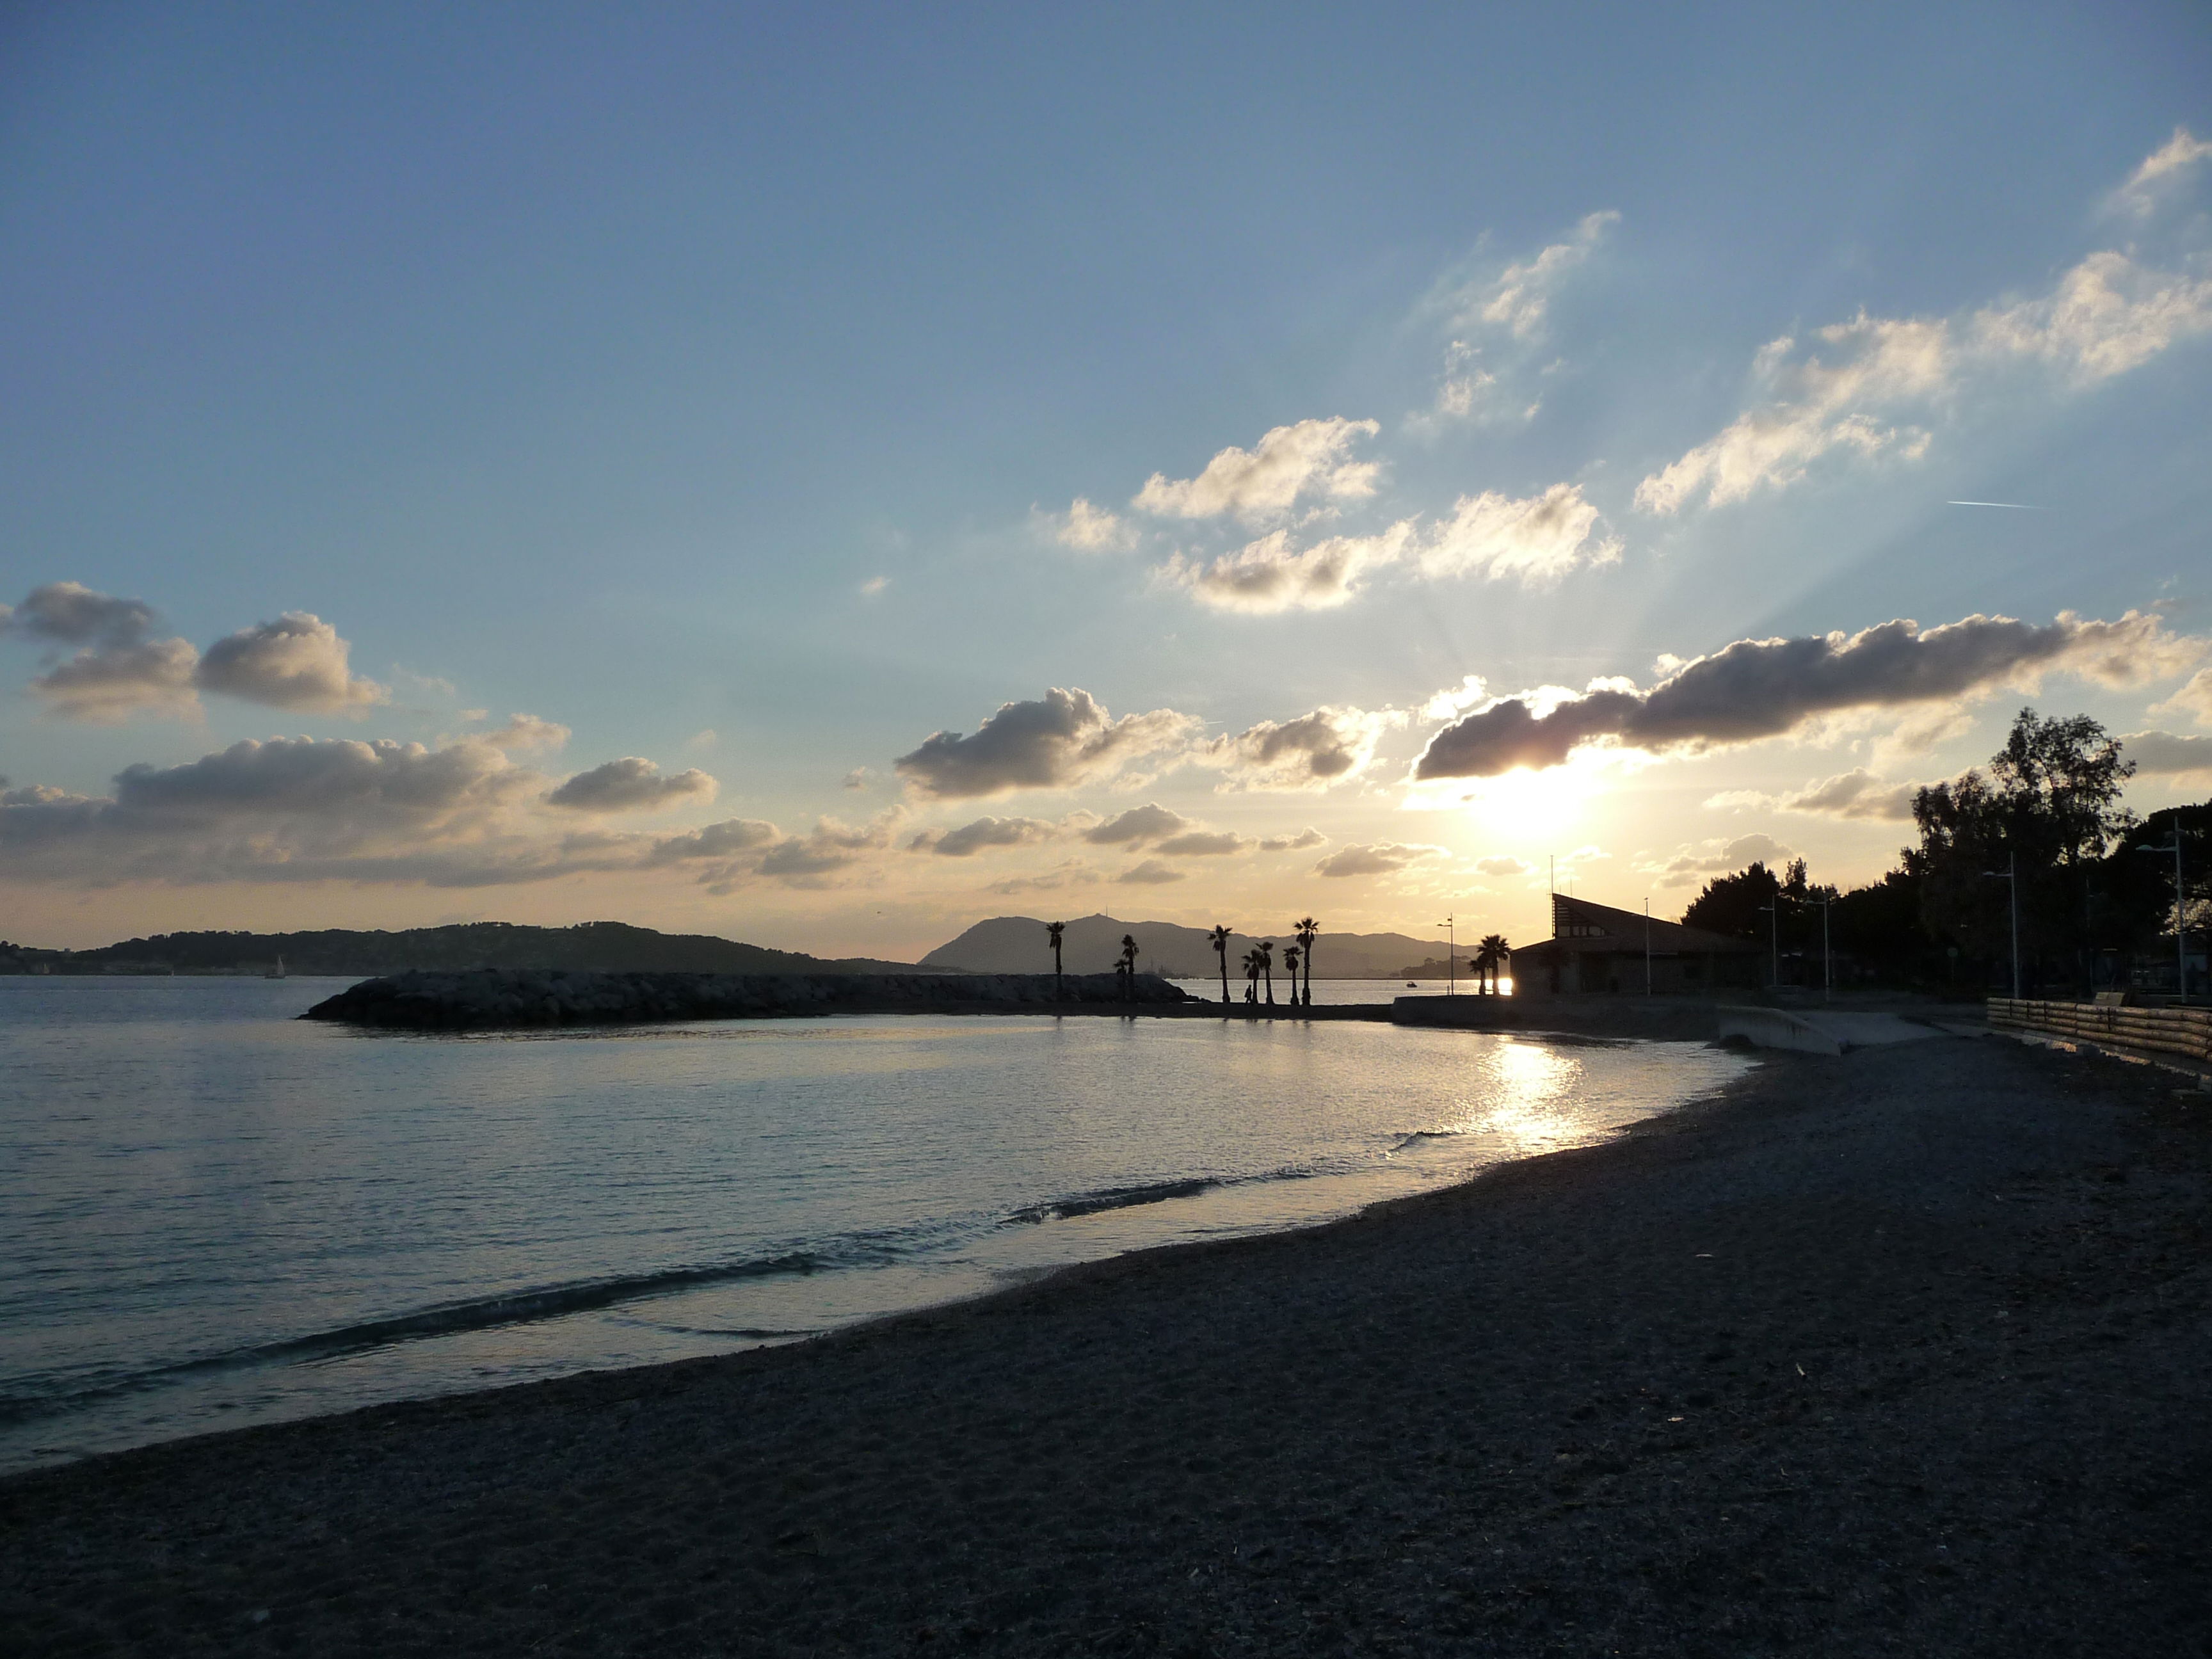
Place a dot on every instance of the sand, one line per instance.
(1904, 1352)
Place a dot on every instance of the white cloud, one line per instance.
(1501, 866)
(1379, 859)
(1534, 541)
(874, 586)
(1519, 298)
(2193, 699)
(526, 733)
(1271, 575)
(632, 784)
(1307, 458)
(2159, 172)
(1857, 794)
(296, 662)
(1455, 701)
(1086, 528)
(1204, 844)
(1330, 745)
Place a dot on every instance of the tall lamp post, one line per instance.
(2010, 876)
(1451, 956)
(1774, 936)
(2180, 939)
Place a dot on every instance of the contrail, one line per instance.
(2017, 506)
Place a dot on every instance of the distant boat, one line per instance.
(278, 972)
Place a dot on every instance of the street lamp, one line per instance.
(1451, 956)
(2180, 946)
(2010, 876)
(1774, 935)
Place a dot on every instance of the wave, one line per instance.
(1415, 1137)
(1111, 1198)
(446, 1319)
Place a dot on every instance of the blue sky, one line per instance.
(718, 386)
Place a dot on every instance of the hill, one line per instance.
(606, 947)
(1016, 945)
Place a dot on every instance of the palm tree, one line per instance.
(1267, 967)
(1128, 967)
(1491, 955)
(1251, 976)
(1219, 939)
(1053, 931)
(1308, 931)
(1291, 967)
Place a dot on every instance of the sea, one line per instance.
(214, 1214)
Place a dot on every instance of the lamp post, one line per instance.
(2010, 876)
(1774, 937)
(1647, 947)
(2180, 939)
(1451, 956)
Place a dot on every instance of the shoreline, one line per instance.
(1943, 1393)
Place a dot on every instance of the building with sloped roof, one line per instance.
(1595, 948)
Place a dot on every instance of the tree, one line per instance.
(1127, 968)
(2047, 813)
(1053, 931)
(1730, 905)
(1308, 931)
(1291, 967)
(1491, 955)
(1251, 975)
(1266, 948)
(1219, 939)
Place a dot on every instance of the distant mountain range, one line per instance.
(608, 946)
(1017, 945)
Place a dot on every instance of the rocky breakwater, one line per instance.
(488, 998)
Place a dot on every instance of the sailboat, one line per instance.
(278, 972)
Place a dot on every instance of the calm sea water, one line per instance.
(212, 1213)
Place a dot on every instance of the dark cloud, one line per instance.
(1150, 873)
(1297, 843)
(72, 614)
(2159, 753)
(972, 838)
(631, 784)
(108, 684)
(1060, 740)
(1764, 687)
(1377, 861)
(1327, 746)
(1139, 824)
(298, 661)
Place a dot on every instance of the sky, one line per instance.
(826, 479)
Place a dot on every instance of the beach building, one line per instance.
(1595, 948)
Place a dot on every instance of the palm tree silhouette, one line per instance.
(1128, 967)
(1308, 931)
(1251, 975)
(1053, 930)
(1291, 967)
(1267, 967)
(1491, 955)
(1219, 939)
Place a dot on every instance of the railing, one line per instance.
(2185, 1031)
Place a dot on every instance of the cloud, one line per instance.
(1519, 298)
(1305, 838)
(1452, 702)
(2159, 172)
(1204, 844)
(1501, 866)
(2165, 753)
(858, 778)
(732, 838)
(2193, 699)
(1379, 859)
(2105, 316)
(107, 685)
(1692, 865)
(1060, 740)
(1150, 873)
(1857, 794)
(526, 733)
(972, 838)
(1139, 824)
(874, 585)
(1051, 881)
(830, 846)
(1304, 459)
(631, 784)
(1757, 688)
(1534, 541)
(72, 614)
(1086, 528)
(296, 662)
(1328, 746)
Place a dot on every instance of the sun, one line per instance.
(1527, 805)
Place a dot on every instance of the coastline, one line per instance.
(1897, 1348)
